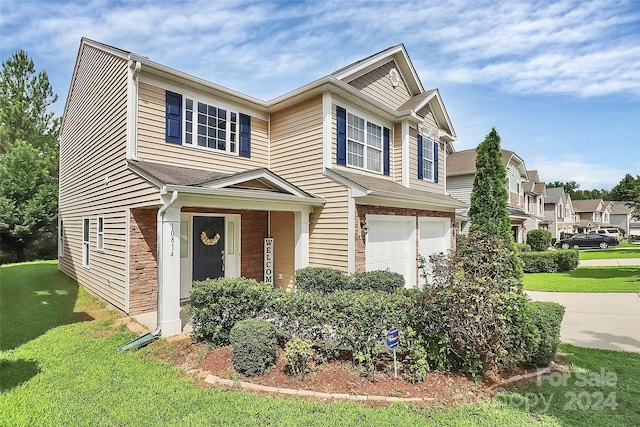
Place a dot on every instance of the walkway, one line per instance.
(609, 262)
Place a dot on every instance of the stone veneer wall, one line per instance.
(143, 263)
(363, 210)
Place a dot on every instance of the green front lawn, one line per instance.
(59, 366)
(622, 251)
(602, 389)
(586, 279)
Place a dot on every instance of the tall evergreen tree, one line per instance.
(28, 161)
(488, 212)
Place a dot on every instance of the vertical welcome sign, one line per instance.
(268, 260)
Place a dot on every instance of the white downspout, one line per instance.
(161, 212)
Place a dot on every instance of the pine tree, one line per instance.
(488, 212)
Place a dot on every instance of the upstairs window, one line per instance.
(364, 144)
(428, 156)
(194, 123)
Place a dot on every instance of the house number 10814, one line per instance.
(173, 238)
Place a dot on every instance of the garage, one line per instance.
(391, 244)
(434, 237)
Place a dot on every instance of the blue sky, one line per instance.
(560, 81)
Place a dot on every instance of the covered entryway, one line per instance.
(391, 244)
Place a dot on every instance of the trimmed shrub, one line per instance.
(321, 279)
(300, 357)
(547, 316)
(380, 280)
(550, 261)
(254, 345)
(523, 247)
(539, 240)
(218, 304)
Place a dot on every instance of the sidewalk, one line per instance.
(599, 320)
(609, 262)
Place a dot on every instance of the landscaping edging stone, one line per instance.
(213, 379)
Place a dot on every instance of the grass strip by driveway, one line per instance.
(586, 279)
(602, 389)
(628, 251)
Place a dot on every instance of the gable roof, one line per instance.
(257, 182)
(591, 205)
(397, 53)
(464, 162)
(620, 207)
(555, 195)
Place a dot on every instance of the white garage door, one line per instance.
(434, 237)
(391, 245)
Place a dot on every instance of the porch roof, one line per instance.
(373, 190)
(257, 183)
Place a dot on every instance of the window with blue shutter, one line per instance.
(173, 118)
(245, 135)
(420, 157)
(341, 136)
(386, 150)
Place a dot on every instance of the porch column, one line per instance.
(302, 238)
(169, 271)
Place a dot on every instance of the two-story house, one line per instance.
(620, 216)
(461, 172)
(166, 178)
(591, 214)
(535, 192)
(558, 209)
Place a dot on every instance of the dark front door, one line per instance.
(208, 247)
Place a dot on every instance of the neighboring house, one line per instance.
(461, 172)
(591, 214)
(534, 195)
(166, 178)
(558, 209)
(620, 216)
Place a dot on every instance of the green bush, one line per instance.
(539, 240)
(523, 247)
(380, 280)
(483, 306)
(300, 357)
(218, 304)
(549, 261)
(547, 316)
(320, 279)
(254, 345)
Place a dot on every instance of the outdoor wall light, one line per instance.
(364, 227)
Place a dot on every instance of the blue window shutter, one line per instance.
(385, 152)
(420, 156)
(435, 162)
(341, 136)
(173, 117)
(245, 135)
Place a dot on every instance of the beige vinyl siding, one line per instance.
(396, 153)
(282, 230)
(377, 84)
(94, 179)
(152, 144)
(296, 155)
(422, 184)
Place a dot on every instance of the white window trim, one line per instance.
(367, 121)
(86, 244)
(428, 141)
(194, 121)
(100, 233)
(60, 238)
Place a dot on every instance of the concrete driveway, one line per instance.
(599, 320)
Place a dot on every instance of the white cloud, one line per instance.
(594, 171)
